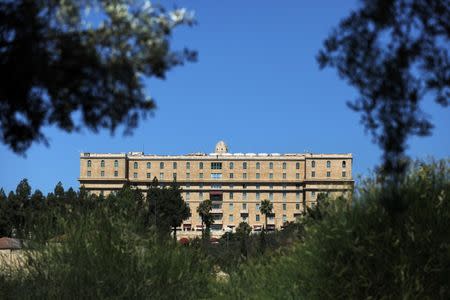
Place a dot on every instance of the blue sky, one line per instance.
(256, 85)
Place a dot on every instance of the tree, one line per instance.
(243, 231)
(266, 208)
(5, 215)
(66, 67)
(167, 206)
(393, 52)
(204, 210)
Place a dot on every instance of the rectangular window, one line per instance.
(270, 175)
(258, 165)
(188, 175)
(284, 196)
(257, 218)
(161, 176)
(271, 165)
(230, 218)
(230, 206)
(188, 196)
(200, 166)
(271, 186)
(102, 173)
(297, 206)
(297, 196)
(313, 164)
(136, 165)
(88, 173)
(284, 219)
(257, 196)
(216, 166)
(297, 165)
(270, 196)
(116, 173)
(231, 165)
(344, 174)
(200, 195)
(161, 165)
(284, 175)
(174, 165)
(244, 205)
(134, 175)
(216, 175)
(313, 194)
(344, 164)
(149, 175)
(244, 165)
(313, 174)
(284, 166)
(328, 174)
(284, 186)
(244, 175)
(297, 186)
(284, 206)
(258, 175)
(257, 186)
(328, 164)
(244, 195)
(231, 175)
(297, 175)
(258, 205)
(200, 186)
(188, 165)
(216, 186)
(116, 164)
(200, 175)
(149, 165)
(174, 176)
(231, 195)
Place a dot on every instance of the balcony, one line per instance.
(216, 210)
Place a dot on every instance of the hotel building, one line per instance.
(235, 182)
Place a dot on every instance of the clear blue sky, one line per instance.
(256, 85)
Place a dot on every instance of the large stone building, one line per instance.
(236, 183)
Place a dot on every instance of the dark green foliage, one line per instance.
(393, 52)
(204, 210)
(359, 250)
(56, 63)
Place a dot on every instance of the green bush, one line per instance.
(360, 251)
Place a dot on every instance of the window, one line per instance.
(188, 185)
(284, 219)
(271, 217)
(270, 196)
(344, 174)
(174, 165)
(216, 166)
(344, 164)
(257, 186)
(216, 175)
(244, 206)
(258, 175)
(284, 186)
(284, 166)
(244, 195)
(284, 206)
(135, 165)
(161, 165)
(116, 164)
(149, 165)
(231, 175)
(216, 186)
(244, 165)
(89, 163)
(284, 175)
(200, 186)
(244, 175)
(328, 164)
(231, 186)
(297, 186)
(297, 175)
(297, 196)
(230, 206)
(244, 186)
(116, 173)
(102, 163)
(258, 205)
(200, 175)
(313, 174)
(313, 164)
(297, 206)
(271, 176)
(257, 218)
(258, 165)
(188, 165)
(161, 176)
(297, 165)
(313, 194)
(135, 175)
(257, 196)
(188, 196)
(188, 175)
(328, 174)
(200, 166)
(231, 195)
(271, 165)
(231, 165)
(102, 173)
(200, 195)
(271, 186)
(88, 173)
(284, 196)
(230, 218)
(149, 175)
(174, 176)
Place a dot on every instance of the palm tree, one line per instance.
(266, 209)
(204, 210)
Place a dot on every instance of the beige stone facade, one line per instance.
(236, 183)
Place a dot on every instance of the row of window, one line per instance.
(245, 218)
(257, 196)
